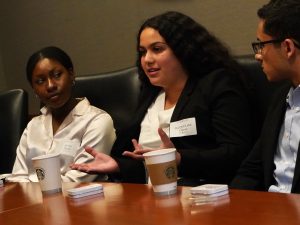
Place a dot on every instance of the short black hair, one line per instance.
(281, 19)
(50, 52)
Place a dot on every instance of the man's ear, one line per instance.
(289, 47)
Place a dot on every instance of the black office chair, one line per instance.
(260, 90)
(115, 92)
(13, 119)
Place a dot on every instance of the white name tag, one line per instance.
(185, 127)
(69, 147)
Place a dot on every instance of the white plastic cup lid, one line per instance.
(45, 156)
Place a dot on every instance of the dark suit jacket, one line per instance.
(256, 172)
(220, 107)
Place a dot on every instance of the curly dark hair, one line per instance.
(281, 19)
(50, 52)
(197, 50)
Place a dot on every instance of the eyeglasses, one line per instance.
(258, 46)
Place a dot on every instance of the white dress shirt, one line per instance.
(84, 126)
(286, 154)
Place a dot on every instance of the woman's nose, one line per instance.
(148, 57)
(50, 84)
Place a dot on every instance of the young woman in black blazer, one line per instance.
(189, 80)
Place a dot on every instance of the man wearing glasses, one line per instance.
(273, 164)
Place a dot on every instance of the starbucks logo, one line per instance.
(170, 172)
(40, 173)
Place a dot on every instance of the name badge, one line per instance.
(185, 127)
(69, 147)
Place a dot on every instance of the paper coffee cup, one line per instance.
(162, 170)
(47, 168)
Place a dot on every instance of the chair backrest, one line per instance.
(13, 119)
(260, 90)
(115, 92)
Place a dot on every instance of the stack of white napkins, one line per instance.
(210, 190)
(212, 194)
(84, 191)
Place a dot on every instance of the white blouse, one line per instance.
(84, 126)
(155, 117)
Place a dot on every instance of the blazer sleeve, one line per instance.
(256, 172)
(250, 174)
(131, 171)
(224, 131)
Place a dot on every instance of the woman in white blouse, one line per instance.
(66, 124)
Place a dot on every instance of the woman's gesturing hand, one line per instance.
(102, 163)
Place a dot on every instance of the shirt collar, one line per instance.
(78, 110)
(293, 97)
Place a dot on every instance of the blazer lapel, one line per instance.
(184, 98)
(271, 134)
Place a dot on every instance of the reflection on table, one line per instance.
(23, 203)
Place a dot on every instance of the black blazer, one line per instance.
(217, 101)
(256, 172)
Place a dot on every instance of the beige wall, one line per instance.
(3, 84)
(100, 34)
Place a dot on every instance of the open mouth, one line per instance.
(152, 71)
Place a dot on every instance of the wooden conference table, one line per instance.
(23, 204)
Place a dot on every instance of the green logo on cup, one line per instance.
(40, 173)
(170, 172)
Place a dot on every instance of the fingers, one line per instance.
(91, 151)
(73, 166)
(133, 155)
(81, 167)
(166, 142)
(136, 145)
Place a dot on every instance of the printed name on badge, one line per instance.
(69, 147)
(185, 127)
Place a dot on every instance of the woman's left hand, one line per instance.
(138, 151)
(165, 140)
(167, 143)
